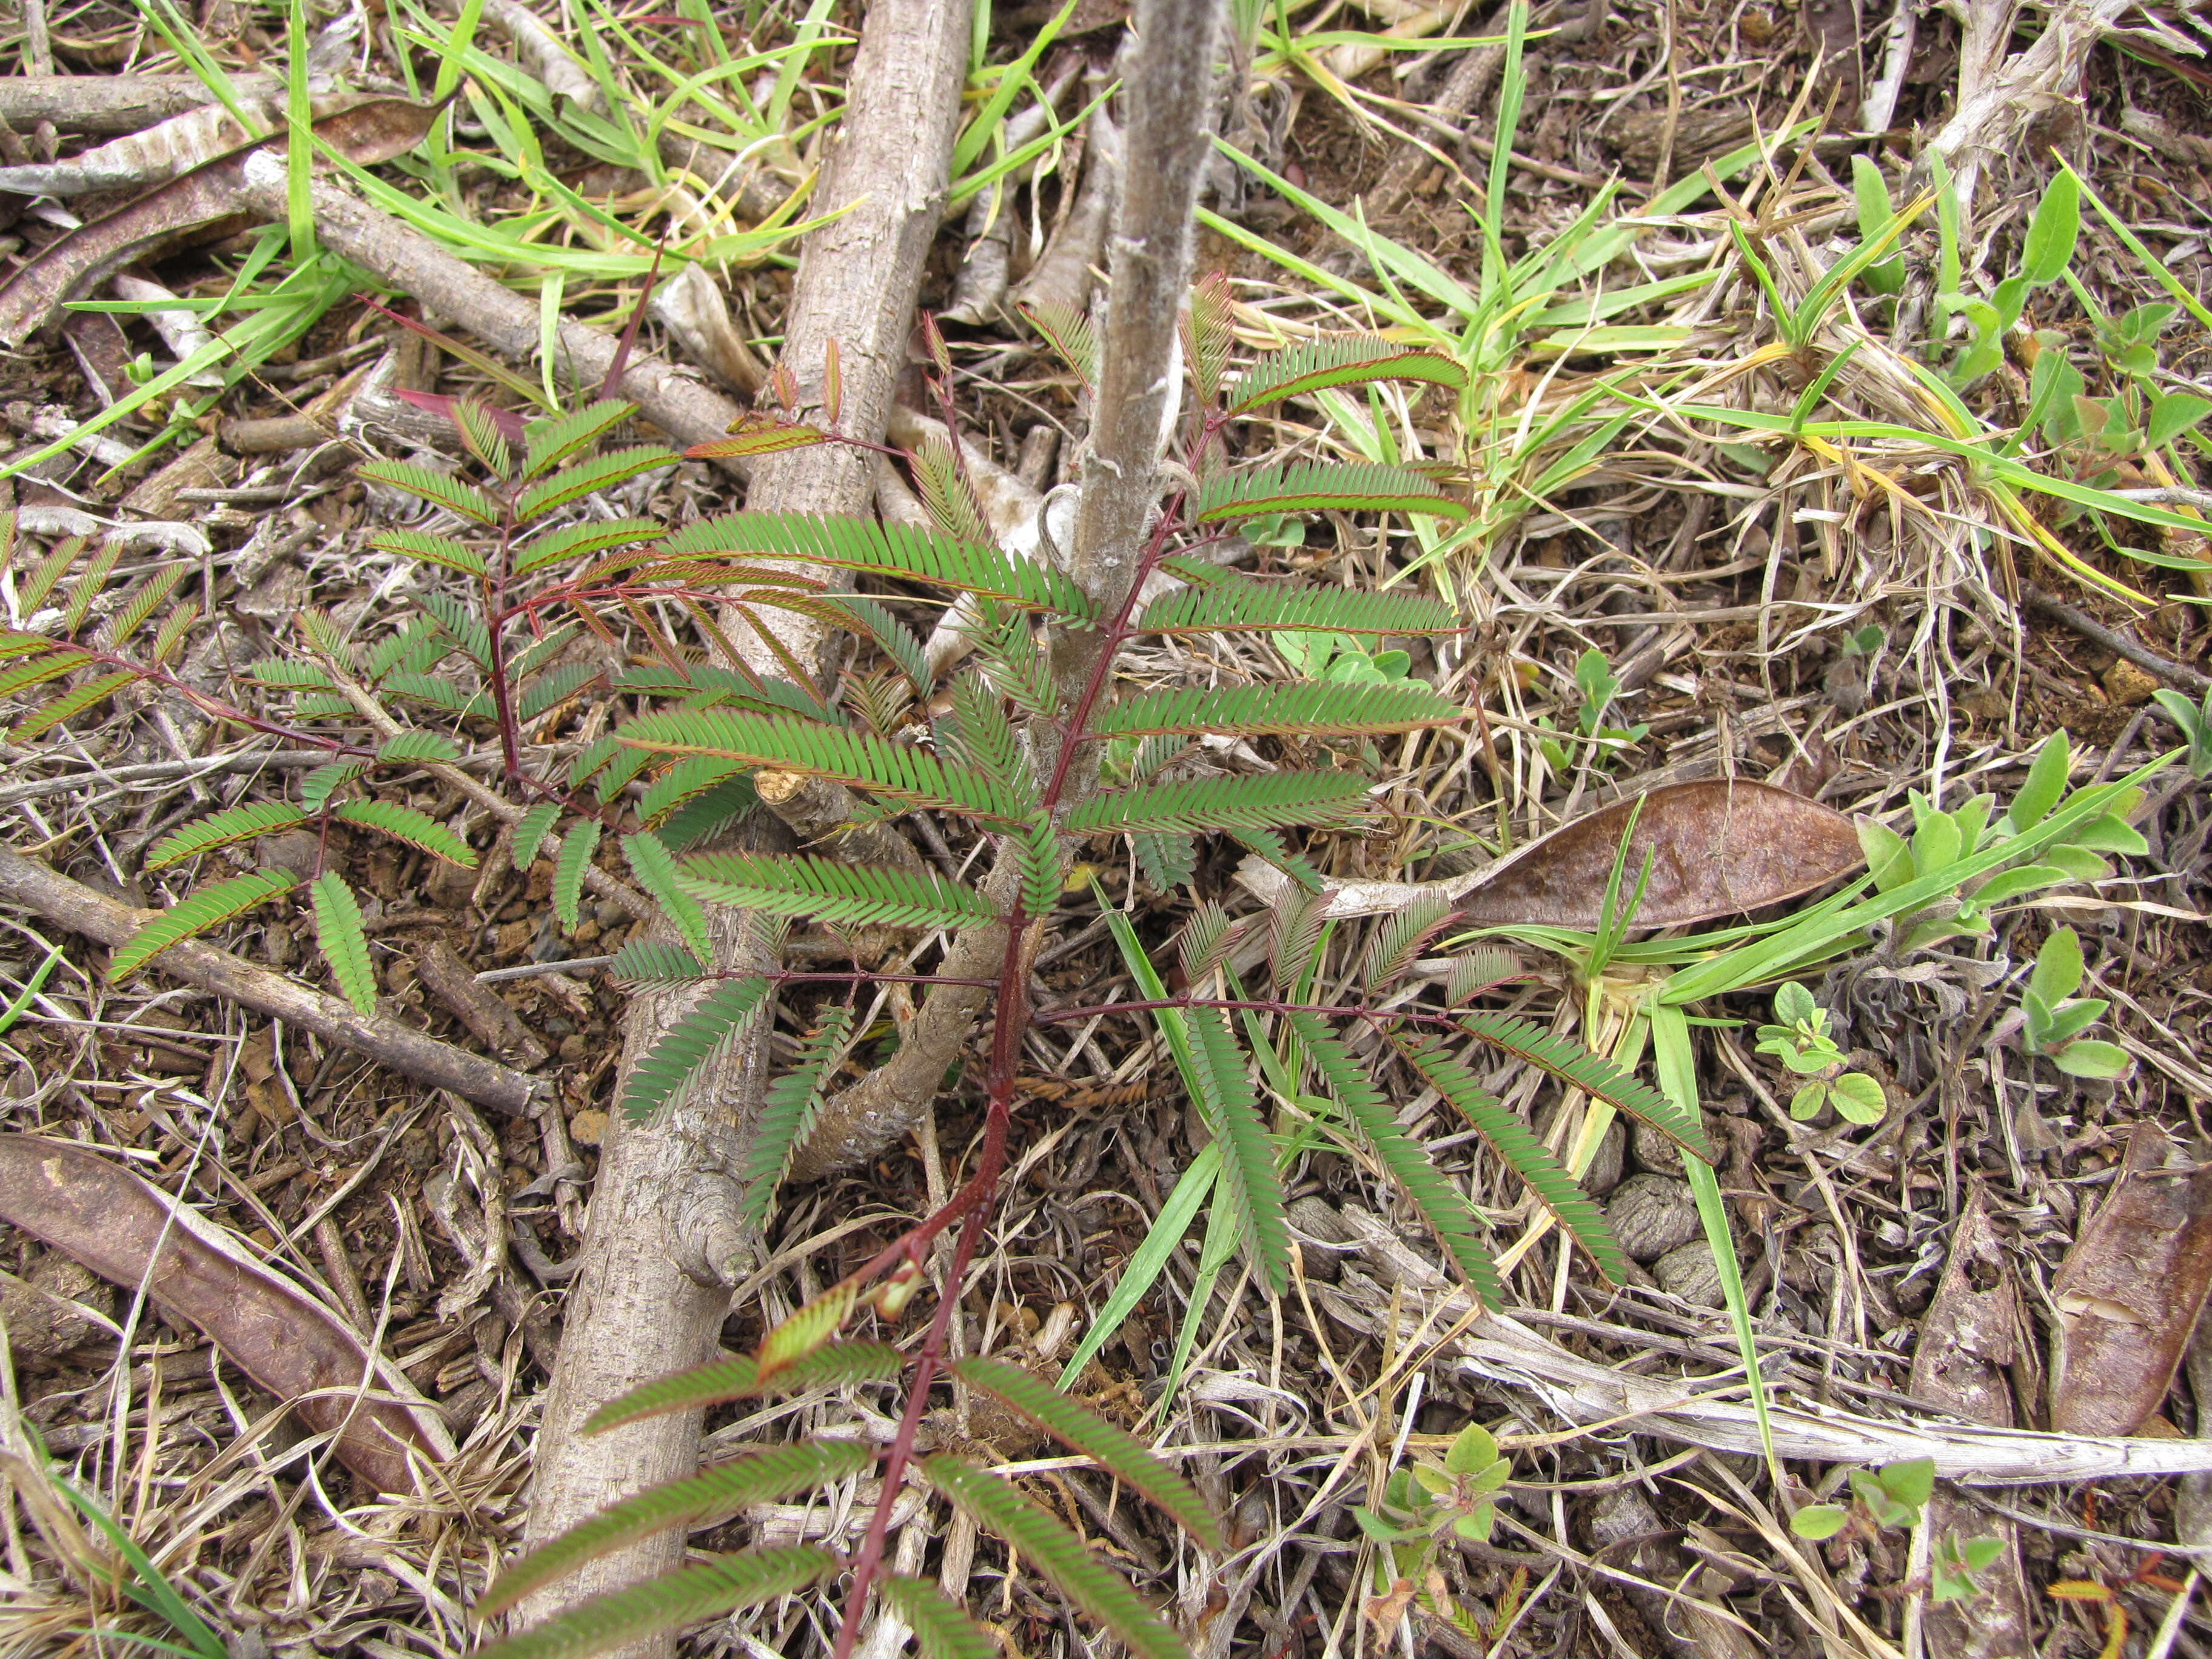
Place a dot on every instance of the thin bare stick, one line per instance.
(409, 1052)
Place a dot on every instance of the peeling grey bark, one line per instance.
(663, 1246)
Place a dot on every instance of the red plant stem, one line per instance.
(494, 584)
(1053, 1016)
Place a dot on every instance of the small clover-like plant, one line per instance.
(1976, 834)
(1424, 1507)
(1600, 688)
(2053, 1018)
(1800, 1040)
(1894, 1497)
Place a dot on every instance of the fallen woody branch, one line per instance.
(403, 1049)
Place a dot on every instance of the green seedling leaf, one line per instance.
(577, 847)
(2086, 1057)
(2048, 248)
(1473, 1449)
(344, 941)
(1818, 1520)
(1857, 1097)
(530, 832)
(2058, 967)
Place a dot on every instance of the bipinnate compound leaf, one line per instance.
(683, 1597)
(883, 549)
(689, 778)
(656, 962)
(77, 700)
(432, 747)
(405, 823)
(1248, 1177)
(848, 895)
(1347, 1081)
(1057, 1554)
(788, 1107)
(1718, 848)
(572, 483)
(530, 832)
(1338, 360)
(342, 941)
(1321, 709)
(738, 1378)
(1114, 1449)
(941, 1630)
(575, 541)
(1322, 487)
(1195, 804)
(899, 771)
(1223, 603)
(705, 1031)
(654, 866)
(548, 443)
(1069, 333)
(224, 828)
(1531, 1160)
(439, 489)
(577, 847)
(760, 1476)
(1593, 1075)
(807, 1329)
(209, 907)
(430, 550)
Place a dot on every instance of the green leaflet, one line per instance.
(319, 785)
(693, 775)
(941, 1630)
(788, 1107)
(38, 670)
(850, 895)
(224, 828)
(439, 489)
(899, 770)
(1036, 851)
(1248, 1152)
(1593, 1075)
(344, 941)
(430, 550)
(760, 1476)
(1323, 486)
(738, 1378)
(554, 686)
(530, 832)
(685, 1597)
(1278, 852)
(703, 685)
(703, 1032)
(706, 816)
(887, 549)
(1167, 861)
(1221, 803)
(71, 703)
(1398, 939)
(1073, 341)
(655, 869)
(569, 870)
(549, 442)
(656, 962)
(1448, 1214)
(574, 541)
(1530, 1158)
(1313, 708)
(899, 643)
(405, 823)
(434, 747)
(1057, 1554)
(1120, 1453)
(131, 616)
(208, 908)
(573, 483)
(1234, 604)
(1338, 360)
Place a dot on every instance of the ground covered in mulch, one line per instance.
(1721, 586)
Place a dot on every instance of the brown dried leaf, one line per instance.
(162, 151)
(2130, 1291)
(128, 1230)
(375, 130)
(1718, 848)
(1970, 1338)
